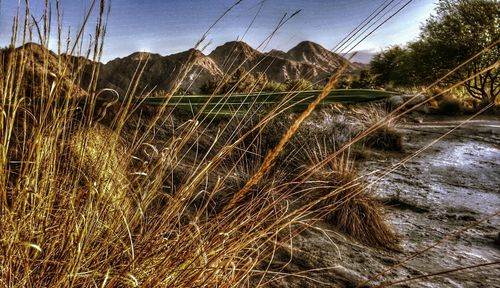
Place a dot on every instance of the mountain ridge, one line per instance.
(306, 60)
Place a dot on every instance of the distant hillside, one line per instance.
(236, 54)
(42, 69)
(160, 72)
(307, 60)
(316, 55)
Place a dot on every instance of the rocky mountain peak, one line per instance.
(306, 60)
(234, 54)
(315, 54)
(234, 48)
(143, 56)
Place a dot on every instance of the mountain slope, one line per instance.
(159, 73)
(44, 72)
(316, 55)
(307, 60)
(233, 55)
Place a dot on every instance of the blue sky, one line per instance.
(167, 27)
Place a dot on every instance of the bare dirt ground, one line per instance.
(453, 184)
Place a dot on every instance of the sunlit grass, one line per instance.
(134, 196)
(147, 195)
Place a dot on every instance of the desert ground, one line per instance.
(433, 199)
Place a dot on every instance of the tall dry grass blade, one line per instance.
(271, 156)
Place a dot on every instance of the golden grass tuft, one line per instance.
(97, 154)
(355, 212)
(386, 137)
(346, 202)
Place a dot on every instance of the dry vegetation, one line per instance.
(386, 137)
(139, 196)
(347, 203)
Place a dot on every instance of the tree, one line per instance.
(459, 30)
(391, 67)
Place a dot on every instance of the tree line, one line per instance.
(458, 31)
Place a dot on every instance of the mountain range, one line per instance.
(307, 60)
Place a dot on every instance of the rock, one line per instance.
(395, 101)
(353, 278)
(42, 69)
(415, 99)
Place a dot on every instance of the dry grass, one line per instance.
(447, 104)
(134, 197)
(386, 137)
(355, 212)
(347, 202)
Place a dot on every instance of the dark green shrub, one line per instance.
(299, 85)
(449, 106)
(239, 82)
(273, 86)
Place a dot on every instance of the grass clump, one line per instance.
(448, 105)
(386, 136)
(96, 153)
(346, 202)
(357, 214)
(386, 139)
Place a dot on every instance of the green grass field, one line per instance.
(240, 103)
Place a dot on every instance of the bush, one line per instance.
(449, 106)
(383, 137)
(344, 200)
(239, 82)
(344, 82)
(299, 85)
(243, 82)
(273, 86)
(365, 80)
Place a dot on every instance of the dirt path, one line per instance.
(451, 185)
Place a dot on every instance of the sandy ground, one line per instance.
(452, 185)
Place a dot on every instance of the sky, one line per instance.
(166, 26)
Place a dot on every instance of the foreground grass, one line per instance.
(141, 196)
